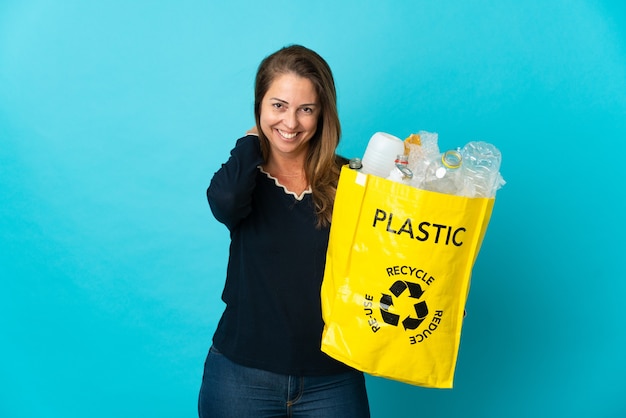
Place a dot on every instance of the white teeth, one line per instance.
(286, 135)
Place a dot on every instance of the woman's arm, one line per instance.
(230, 190)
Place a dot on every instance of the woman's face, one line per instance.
(289, 114)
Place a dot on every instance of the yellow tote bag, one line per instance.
(397, 276)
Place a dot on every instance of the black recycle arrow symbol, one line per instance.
(415, 292)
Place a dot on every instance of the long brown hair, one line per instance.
(321, 165)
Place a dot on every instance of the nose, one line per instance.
(291, 120)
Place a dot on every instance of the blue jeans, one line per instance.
(230, 390)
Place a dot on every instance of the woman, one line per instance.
(275, 194)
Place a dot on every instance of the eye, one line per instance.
(307, 110)
(277, 105)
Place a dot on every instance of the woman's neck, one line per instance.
(289, 172)
(285, 167)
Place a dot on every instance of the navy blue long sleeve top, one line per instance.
(272, 320)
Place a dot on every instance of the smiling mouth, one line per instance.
(287, 135)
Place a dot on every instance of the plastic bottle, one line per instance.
(401, 172)
(444, 175)
(355, 163)
(481, 169)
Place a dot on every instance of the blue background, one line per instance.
(114, 116)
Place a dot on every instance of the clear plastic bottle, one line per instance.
(444, 175)
(401, 172)
(481, 169)
(355, 163)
